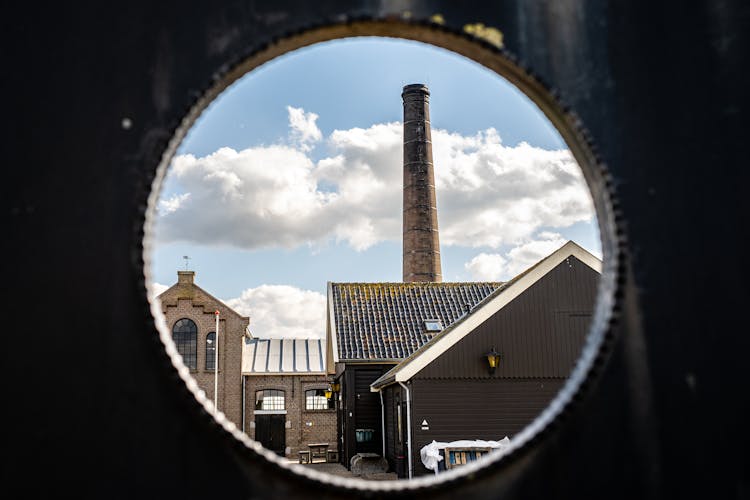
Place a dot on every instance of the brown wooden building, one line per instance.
(371, 327)
(445, 390)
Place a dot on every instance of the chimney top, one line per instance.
(185, 277)
(414, 88)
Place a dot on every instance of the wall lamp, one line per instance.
(331, 389)
(493, 359)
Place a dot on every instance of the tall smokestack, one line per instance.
(421, 242)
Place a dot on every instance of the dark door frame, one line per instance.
(267, 418)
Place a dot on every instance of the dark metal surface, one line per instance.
(364, 407)
(540, 333)
(94, 407)
(481, 409)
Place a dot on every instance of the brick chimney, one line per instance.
(421, 260)
(185, 285)
(185, 277)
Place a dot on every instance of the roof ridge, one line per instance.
(422, 283)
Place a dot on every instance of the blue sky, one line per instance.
(291, 179)
(357, 82)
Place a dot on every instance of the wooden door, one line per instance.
(270, 431)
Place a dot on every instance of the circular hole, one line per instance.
(354, 139)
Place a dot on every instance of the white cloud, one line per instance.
(156, 289)
(487, 267)
(304, 129)
(526, 255)
(493, 195)
(493, 267)
(173, 203)
(282, 311)
(258, 197)
(489, 194)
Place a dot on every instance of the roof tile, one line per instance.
(386, 320)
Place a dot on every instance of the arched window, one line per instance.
(269, 399)
(315, 399)
(211, 351)
(185, 335)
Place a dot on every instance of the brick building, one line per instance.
(189, 313)
(272, 389)
(285, 385)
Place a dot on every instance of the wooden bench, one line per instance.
(318, 452)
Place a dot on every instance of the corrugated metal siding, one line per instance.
(367, 404)
(475, 409)
(390, 427)
(365, 409)
(279, 356)
(539, 334)
(347, 415)
(386, 320)
(367, 412)
(395, 451)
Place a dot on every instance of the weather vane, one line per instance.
(186, 261)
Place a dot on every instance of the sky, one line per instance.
(292, 178)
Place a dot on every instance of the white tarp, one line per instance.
(431, 453)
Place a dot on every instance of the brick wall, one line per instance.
(302, 426)
(185, 300)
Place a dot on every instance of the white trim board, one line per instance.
(331, 332)
(432, 350)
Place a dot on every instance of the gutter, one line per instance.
(371, 361)
(382, 383)
(408, 423)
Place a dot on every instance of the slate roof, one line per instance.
(385, 321)
(283, 356)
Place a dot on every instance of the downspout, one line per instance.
(382, 419)
(243, 403)
(408, 423)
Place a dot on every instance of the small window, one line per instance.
(315, 399)
(269, 399)
(185, 335)
(211, 351)
(433, 325)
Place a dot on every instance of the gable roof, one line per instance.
(385, 321)
(283, 356)
(443, 341)
(199, 298)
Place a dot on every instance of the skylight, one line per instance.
(433, 325)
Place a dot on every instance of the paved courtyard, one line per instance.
(339, 470)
